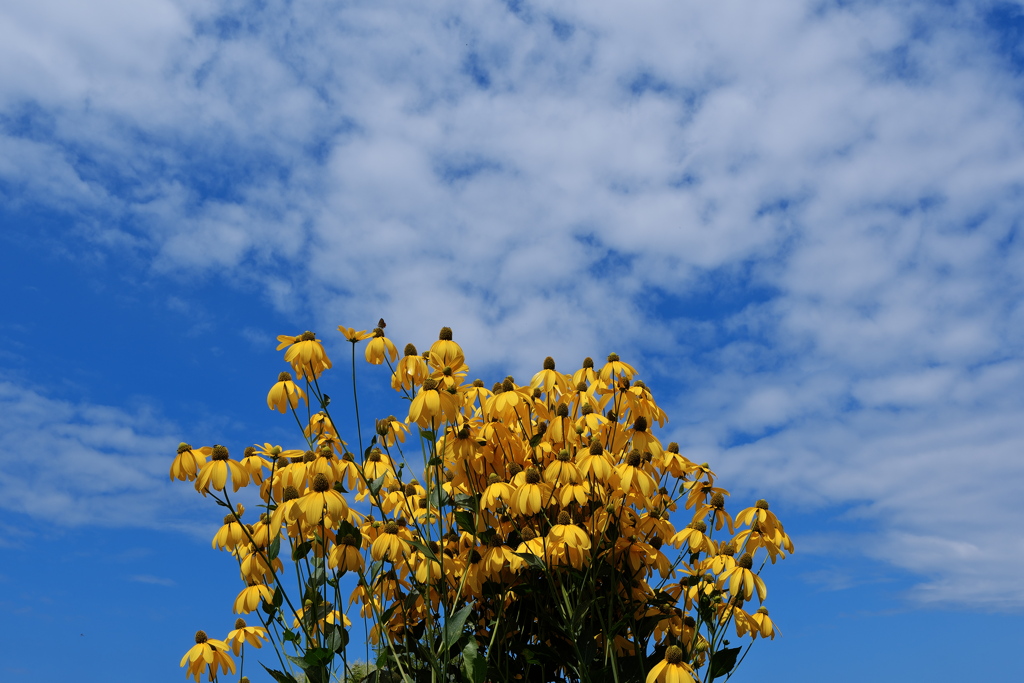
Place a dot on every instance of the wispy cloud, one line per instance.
(840, 181)
(81, 464)
(155, 580)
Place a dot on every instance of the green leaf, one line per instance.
(346, 528)
(427, 552)
(314, 664)
(453, 627)
(439, 498)
(435, 462)
(428, 435)
(337, 640)
(278, 596)
(464, 500)
(274, 549)
(317, 675)
(723, 661)
(474, 664)
(376, 567)
(279, 676)
(318, 578)
(290, 636)
(532, 560)
(376, 484)
(535, 440)
(465, 521)
(318, 656)
(301, 550)
(314, 613)
(386, 614)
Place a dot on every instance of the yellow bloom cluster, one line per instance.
(538, 503)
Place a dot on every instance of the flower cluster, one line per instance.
(547, 518)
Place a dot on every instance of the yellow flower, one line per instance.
(532, 544)
(410, 372)
(749, 540)
(287, 510)
(379, 348)
(448, 376)
(378, 464)
(207, 655)
(446, 352)
(253, 463)
(285, 394)
(332, 617)
(348, 471)
(320, 425)
(761, 624)
(722, 562)
(595, 463)
(476, 393)
(740, 578)
(672, 669)
(231, 535)
(250, 597)
(568, 543)
(187, 463)
(548, 379)
(632, 476)
(352, 335)
(673, 463)
(579, 493)
(615, 368)
(562, 470)
(533, 495)
(305, 353)
(590, 420)
(216, 472)
(643, 440)
(346, 556)
(693, 536)
(389, 545)
(508, 403)
(761, 515)
(432, 406)
(391, 429)
(496, 495)
(256, 569)
(701, 491)
(245, 634)
(585, 374)
(322, 503)
(651, 524)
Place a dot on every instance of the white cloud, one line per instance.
(565, 180)
(155, 580)
(80, 464)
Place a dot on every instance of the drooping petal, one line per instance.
(219, 475)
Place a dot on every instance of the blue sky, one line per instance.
(801, 221)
